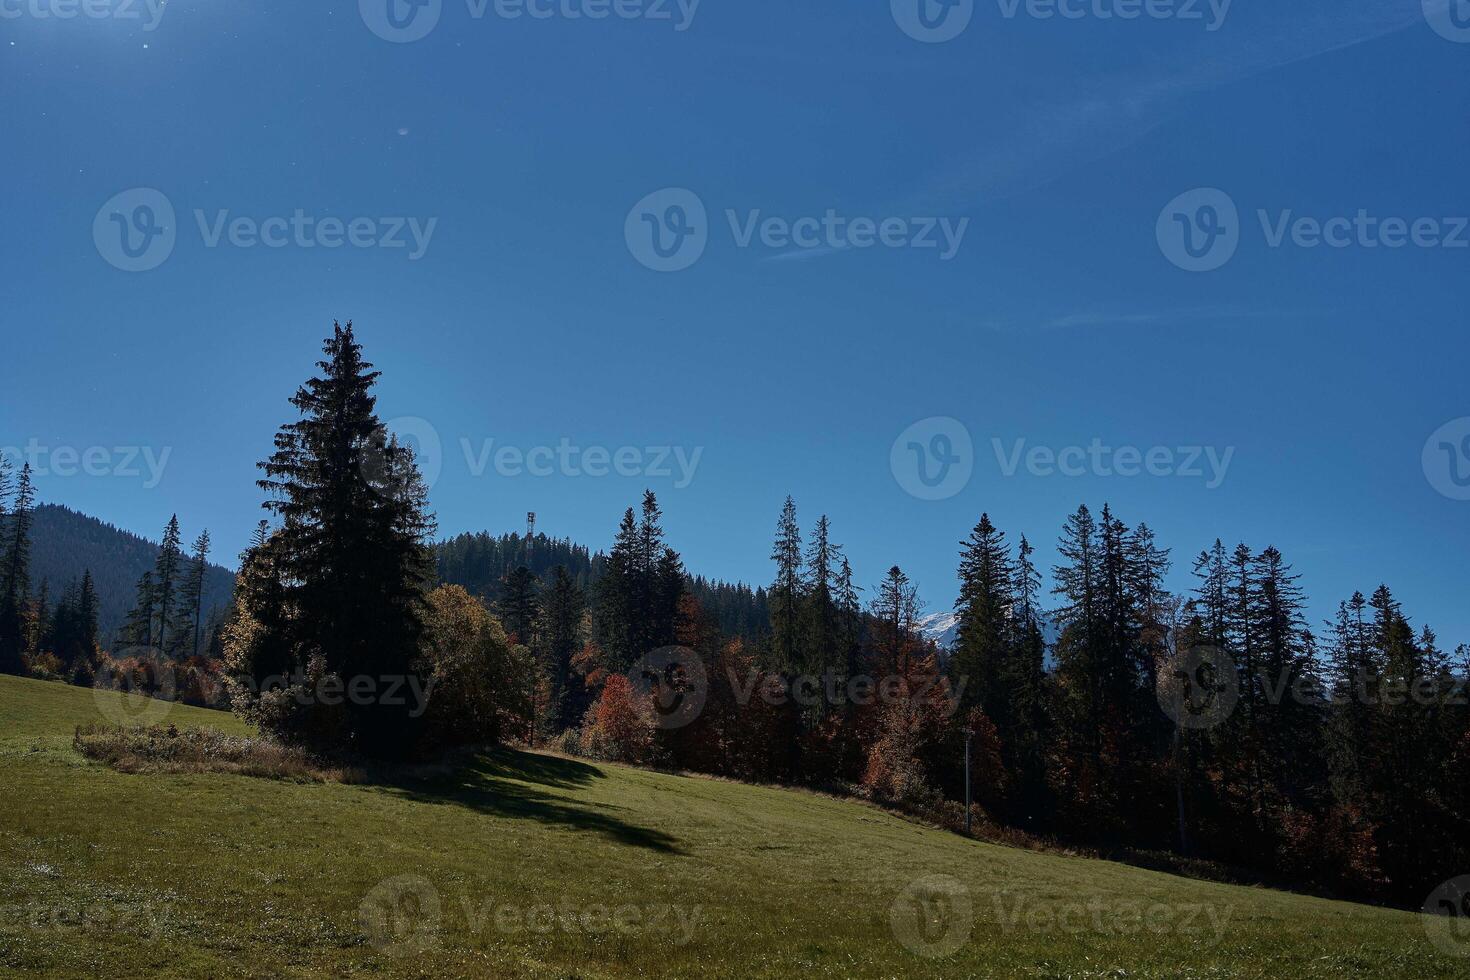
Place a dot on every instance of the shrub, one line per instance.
(45, 667)
(479, 682)
(620, 725)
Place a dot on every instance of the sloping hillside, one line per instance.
(528, 865)
(65, 544)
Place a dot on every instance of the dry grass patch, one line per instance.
(169, 749)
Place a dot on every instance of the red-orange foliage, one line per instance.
(619, 725)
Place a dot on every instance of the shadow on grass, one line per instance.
(507, 783)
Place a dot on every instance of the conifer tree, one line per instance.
(617, 597)
(191, 598)
(561, 638)
(15, 588)
(787, 591)
(1080, 661)
(518, 607)
(823, 648)
(166, 571)
(982, 639)
(351, 553)
(850, 620)
(895, 608)
(137, 630)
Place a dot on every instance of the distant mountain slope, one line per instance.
(66, 543)
(943, 627)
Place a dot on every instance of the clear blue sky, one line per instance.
(1060, 319)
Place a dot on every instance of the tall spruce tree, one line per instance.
(166, 574)
(351, 552)
(823, 655)
(191, 596)
(561, 637)
(518, 605)
(982, 639)
(787, 591)
(15, 587)
(1080, 658)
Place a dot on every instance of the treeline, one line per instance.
(65, 545)
(38, 638)
(483, 563)
(63, 640)
(168, 614)
(1216, 724)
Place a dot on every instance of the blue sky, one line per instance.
(1061, 319)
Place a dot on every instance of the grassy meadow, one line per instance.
(527, 865)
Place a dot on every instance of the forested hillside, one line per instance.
(67, 544)
(480, 563)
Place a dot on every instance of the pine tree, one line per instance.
(518, 606)
(1284, 648)
(896, 610)
(351, 553)
(850, 620)
(1080, 663)
(1025, 679)
(137, 630)
(617, 597)
(822, 628)
(982, 639)
(561, 638)
(787, 591)
(166, 571)
(191, 597)
(16, 587)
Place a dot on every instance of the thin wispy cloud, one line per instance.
(1119, 109)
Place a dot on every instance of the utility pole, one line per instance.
(969, 732)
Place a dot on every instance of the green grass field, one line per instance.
(529, 865)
